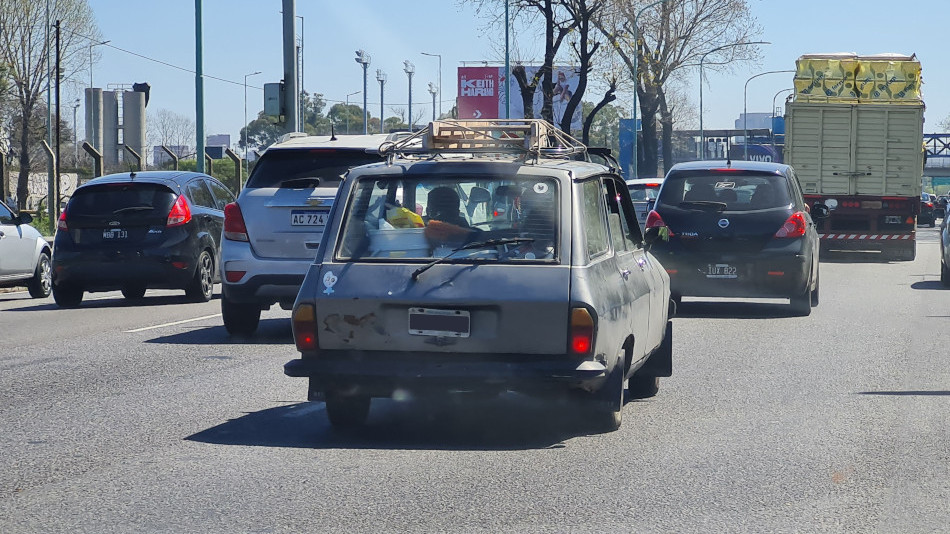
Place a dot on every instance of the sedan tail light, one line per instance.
(582, 332)
(794, 227)
(61, 224)
(305, 327)
(234, 227)
(180, 213)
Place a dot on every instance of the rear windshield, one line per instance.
(643, 191)
(426, 218)
(307, 167)
(122, 201)
(738, 192)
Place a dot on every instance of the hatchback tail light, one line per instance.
(305, 327)
(180, 213)
(582, 332)
(794, 227)
(61, 224)
(234, 227)
(654, 220)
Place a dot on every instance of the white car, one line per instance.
(643, 192)
(24, 254)
(273, 230)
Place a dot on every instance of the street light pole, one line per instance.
(433, 91)
(346, 109)
(635, 160)
(247, 167)
(92, 44)
(75, 135)
(773, 114)
(440, 78)
(301, 81)
(363, 59)
(409, 69)
(381, 78)
(702, 136)
(745, 110)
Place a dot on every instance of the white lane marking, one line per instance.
(153, 327)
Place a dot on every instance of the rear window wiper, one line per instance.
(472, 246)
(134, 208)
(300, 183)
(719, 206)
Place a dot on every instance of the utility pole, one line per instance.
(291, 94)
(54, 200)
(199, 93)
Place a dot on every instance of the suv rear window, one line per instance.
(425, 218)
(127, 202)
(307, 167)
(740, 191)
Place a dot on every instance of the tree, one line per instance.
(672, 35)
(177, 132)
(945, 124)
(261, 133)
(24, 48)
(602, 125)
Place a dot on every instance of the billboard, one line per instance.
(481, 94)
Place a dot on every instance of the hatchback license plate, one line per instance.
(115, 233)
(447, 323)
(308, 218)
(721, 270)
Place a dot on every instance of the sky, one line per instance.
(244, 36)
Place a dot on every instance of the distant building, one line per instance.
(756, 120)
(218, 140)
(160, 158)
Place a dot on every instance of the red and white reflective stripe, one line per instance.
(868, 237)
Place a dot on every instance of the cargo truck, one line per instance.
(854, 135)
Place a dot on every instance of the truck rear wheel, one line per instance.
(347, 411)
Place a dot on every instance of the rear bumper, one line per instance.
(108, 270)
(265, 280)
(381, 373)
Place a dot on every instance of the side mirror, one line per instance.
(819, 211)
(24, 218)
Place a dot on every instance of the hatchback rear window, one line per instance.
(426, 218)
(743, 191)
(300, 168)
(122, 201)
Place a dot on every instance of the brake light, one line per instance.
(793, 227)
(234, 227)
(305, 327)
(180, 213)
(654, 220)
(61, 224)
(582, 332)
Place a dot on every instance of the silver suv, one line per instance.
(272, 231)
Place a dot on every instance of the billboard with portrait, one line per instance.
(481, 94)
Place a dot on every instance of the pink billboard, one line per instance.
(481, 94)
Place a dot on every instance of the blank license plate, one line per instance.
(308, 218)
(115, 233)
(448, 323)
(721, 270)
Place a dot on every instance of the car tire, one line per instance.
(41, 284)
(133, 291)
(643, 387)
(801, 304)
(814, 292)
(240, 319)
(944, 274)
(606, 405)
(347, 411)
(67, 296)
(201, 287)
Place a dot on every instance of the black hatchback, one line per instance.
(135, 231)
(737, 229)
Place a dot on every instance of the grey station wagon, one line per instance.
(483, 256)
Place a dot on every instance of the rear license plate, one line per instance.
(893, 219)
(447, 323)
(115, 233)
(308, 218)
(721, 270)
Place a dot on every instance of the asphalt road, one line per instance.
(149, 418)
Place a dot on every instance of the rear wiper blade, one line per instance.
(134, 208)
(720, 206)
(472, 246)
(300, 183)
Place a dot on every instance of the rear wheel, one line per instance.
(944, 274)
(606, 405)
(801, 304)
(814, 292)
(240, 319)
(347, 411)
(133, 291)
(201, 287)
(67, 296)
(42, 282)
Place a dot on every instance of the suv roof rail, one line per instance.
(521, 137)
(290, 135)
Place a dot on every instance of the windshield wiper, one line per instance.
(720, 206)
(472, 246)
(134, 208)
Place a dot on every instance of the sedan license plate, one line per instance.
(115, 233)
(721, 270)
(446, 323)
(308, 218)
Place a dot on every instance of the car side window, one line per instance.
(199, 193)
(6, 216)
(620, 217)
(222, 195)
(595, 227)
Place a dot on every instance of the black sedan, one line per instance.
(737, 229)
(135, 231)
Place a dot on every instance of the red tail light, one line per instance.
(61, 225)
(793, 227)
(234, 227)
(180, 213)
(582, 332)
(305, 327)
(654, 220)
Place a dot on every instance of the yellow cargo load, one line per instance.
(848, 77)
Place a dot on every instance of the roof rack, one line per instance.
(525, 137)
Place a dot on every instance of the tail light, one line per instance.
(180, 213)
(305, 327)
(655, 221)
(794, 227)
(582, 332)
(234, 227)
(61, 224)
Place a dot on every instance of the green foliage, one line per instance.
(222, 169)
(605, 130)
